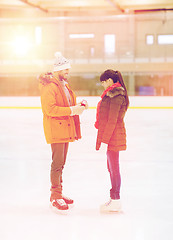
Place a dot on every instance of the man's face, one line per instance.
(63, 74)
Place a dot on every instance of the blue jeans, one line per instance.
(113, 168)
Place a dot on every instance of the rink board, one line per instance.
(136, 102)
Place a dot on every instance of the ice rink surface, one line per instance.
(146, 172)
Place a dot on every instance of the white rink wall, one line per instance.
(135, 101)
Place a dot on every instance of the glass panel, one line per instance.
(150, 39)
(165, 39)
(109, 43)
(87, 35)
(38, 35)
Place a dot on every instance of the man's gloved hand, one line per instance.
(77, 110)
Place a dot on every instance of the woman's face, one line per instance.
(109, 82)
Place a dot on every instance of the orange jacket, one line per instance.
(59, 126)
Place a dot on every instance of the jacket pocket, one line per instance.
(60, 129)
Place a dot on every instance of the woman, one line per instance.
(111, 130)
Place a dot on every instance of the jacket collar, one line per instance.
(115, 92)
(111, 91)
(48, 77)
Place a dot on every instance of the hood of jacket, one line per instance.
(46, 78)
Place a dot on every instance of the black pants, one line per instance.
(59, 154)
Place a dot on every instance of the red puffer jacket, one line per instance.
(111, 127)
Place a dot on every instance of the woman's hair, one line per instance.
(116, 77)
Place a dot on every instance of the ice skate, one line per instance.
(111, 206)
(67, 200)
(59, 206)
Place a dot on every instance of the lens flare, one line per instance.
(21, 46)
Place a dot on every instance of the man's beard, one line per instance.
(62, 78)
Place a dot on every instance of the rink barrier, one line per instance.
(137, 107)
(136, 102)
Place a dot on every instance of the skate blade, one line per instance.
(58, 211)
(111, 211)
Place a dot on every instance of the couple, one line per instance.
(61, 126)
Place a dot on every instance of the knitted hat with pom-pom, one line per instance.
(60, 63)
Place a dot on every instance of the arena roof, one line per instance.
(117, 6)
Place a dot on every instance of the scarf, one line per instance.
(117, 84)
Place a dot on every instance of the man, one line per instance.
(61, 123)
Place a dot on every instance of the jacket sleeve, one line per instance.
(49, 105)
(115, 105)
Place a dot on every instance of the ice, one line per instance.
(146, 171)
